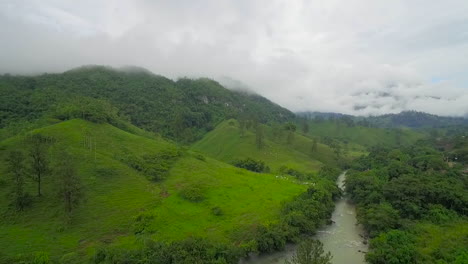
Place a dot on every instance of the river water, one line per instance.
(343, 238)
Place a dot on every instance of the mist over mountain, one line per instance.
(352, 57)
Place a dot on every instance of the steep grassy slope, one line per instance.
(120, 202)
(244, 198)
(227, 143)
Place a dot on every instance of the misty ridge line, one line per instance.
(236, 85)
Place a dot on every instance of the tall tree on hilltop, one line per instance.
(70, 188)
(38, 151)
(17, 169)
(313, 149)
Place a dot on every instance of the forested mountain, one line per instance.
(183, 110)
(410, 119)
(414, 119)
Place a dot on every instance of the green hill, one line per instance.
(361, 135)
(121, 205)
(227, 143)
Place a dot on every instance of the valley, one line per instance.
(103, 165)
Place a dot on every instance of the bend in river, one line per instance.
(344, 238)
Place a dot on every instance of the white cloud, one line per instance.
(350, 56)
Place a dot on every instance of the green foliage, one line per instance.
(259, 137)
(155, 166)
(116, 194)
(38, 152)
(217, 211)
(199, 156)
(379, 218)
(293, 172)
(142, 222)
(91, 109)
(70, 186)
(438, 214)
(19, 198)
(303, 215)
(339, 130)
(415, 190)
(310, 251)
(393, 247)
(183, 110)
(251, 165)
(193, 193)
(191, 250)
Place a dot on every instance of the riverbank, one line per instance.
(343, 238)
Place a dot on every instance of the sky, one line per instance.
(360, 57)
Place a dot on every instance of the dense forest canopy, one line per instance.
(410, 119)
(413, 201)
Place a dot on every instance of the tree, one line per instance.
(259, 136)
(305, 126)
(242, 127)
(70, 189)
(38, 151)
(393, 247)
(379, 218)
(310, 251)
(16, 167)
(313, 149)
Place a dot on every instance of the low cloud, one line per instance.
(351, 56)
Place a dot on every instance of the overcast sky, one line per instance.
(350, 56)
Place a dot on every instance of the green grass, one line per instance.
(245, 198)
(226, 143)
(115, 195)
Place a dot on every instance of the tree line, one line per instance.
(402, 192)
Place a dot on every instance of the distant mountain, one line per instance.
(321, 115)
(183, 110)
(411, 119)
(414, 119)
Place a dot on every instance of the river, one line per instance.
(342, 238)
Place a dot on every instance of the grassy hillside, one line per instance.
(227, 143)
(361, 135)
(121, 205)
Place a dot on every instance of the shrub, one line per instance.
(193, 193)
(293, 172)
(142, 222)
(191, 250)
(217, 211)
(199, 156)
(251, 165)
(154, 166)
(271, 238)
